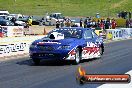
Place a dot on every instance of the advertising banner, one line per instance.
(12, 31)
(12, 49)
(127, 32)
(114, 34)
(16, 45)
(3, 31)
(117, 34)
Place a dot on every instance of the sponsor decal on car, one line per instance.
(71, 55)
(91, 50)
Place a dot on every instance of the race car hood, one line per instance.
(52, 41)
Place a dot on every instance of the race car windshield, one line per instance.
(68, 33)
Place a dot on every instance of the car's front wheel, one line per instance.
(77, 57)
(100, 52)
(36, 61)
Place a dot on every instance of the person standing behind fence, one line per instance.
(81, 22)
(127, 23)
(98, 23)
(30, 21)
(58, 24)
(113, 24)
(42, 22)
(107, 24)
(93, 23)
(68, 22)
(1, 32)
(13, 20)
(101, 25)
(89, 23)
(62, 24)
(130, 23)
(85, 23)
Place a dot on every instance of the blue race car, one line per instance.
(72, 44)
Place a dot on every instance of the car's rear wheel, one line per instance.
(36, 61)
(101, 51)
(77, 57)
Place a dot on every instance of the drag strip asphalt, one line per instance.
(21, 73)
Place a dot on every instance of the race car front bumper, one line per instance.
(52, 55)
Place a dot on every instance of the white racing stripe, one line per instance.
(129, 85)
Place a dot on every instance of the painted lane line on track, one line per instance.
(129, 85)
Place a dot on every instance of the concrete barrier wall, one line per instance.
(16, 45)
(121, 33)
(127, 32)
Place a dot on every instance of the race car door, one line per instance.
(90, 49)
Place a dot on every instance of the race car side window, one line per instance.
(87, 34)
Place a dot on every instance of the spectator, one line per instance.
(30, 21)
(127, 23)
(85, 23)
(113, 24)
(62, 23)
(42, 21)
(73, 24)
(98, 23)
(27, 25)
(107, 23)
(13, 20)
(89, 23)
(101, 25)
(81, 22)
(57, 24)
(131, 23)
(93, 23)
(68, 22)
